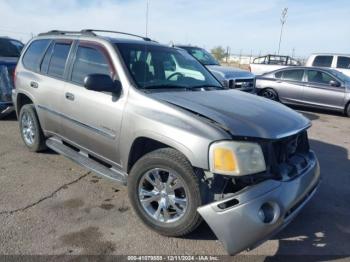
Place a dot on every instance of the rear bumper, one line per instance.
(241, 226)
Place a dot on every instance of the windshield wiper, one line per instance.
(164, 87)
(206, 86)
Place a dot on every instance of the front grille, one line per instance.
(287, 157)
(241, 83)
(288, 147)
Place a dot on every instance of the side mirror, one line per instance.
(102, 83)
(334, 83)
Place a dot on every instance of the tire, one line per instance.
(31, 132)
(269, 93)
(347, 110)
(175, 219)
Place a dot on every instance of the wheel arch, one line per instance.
(21, 100)
(143, 145)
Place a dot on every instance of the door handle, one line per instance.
(70, 96)
(34, 84)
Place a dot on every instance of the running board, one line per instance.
(84, 160)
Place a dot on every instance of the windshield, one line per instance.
(10, 48)
(159, 67)
(202, 55)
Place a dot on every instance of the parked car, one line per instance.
(186, 147)
(233, 78)
(268, 63)
(336, 61)
(308, 86)
(10, 50)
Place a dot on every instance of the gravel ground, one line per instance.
(51, 206)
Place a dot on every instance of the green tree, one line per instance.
(219, 53)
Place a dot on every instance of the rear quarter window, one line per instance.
(33, 55)
(323, 61)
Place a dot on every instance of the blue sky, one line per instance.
(243, 25)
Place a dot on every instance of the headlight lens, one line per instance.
(236, 158)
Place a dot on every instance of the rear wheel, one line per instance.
(31, 132)
(270, 94)
(347, 110)
(164, 191)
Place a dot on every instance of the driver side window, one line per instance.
(319, 77)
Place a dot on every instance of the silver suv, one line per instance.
(187, 148)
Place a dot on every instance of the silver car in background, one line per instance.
(307, 86)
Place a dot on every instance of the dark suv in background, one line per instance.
(230, 77)
(10, 50)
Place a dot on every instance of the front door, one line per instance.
(320, 92)
(92, 119)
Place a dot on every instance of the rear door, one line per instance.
(320, 92)
(290, 85)
(92, 119)
(53, 71)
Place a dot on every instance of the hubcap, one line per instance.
(269, 94)
(163, 195)
(28, 129)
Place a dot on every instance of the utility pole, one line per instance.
(147, 16)
(283, 21)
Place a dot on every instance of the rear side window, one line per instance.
(10, 48)
(343, 62)
(89, 61)
(293, 75)
(323, 61)
(58, 59)
(34, 53)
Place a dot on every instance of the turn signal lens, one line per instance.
(224, 160)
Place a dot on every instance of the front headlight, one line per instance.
(236, 158)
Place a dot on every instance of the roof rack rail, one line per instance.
(115, 32)
(90, 32)
(58, 32)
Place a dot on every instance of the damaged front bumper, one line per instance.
(253, 215)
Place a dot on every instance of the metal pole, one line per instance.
(147, 16)
(283, 21)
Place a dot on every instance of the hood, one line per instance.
(223, 72)
(243, 114)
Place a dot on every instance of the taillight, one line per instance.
(14, 78)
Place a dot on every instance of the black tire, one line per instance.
(269, 93)
(38, 138)
(347, 110)
(173, 160)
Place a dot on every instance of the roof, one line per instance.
(94, 33)
(330, 54)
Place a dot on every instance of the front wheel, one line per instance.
(270, 94)
(165, 193)
(31, 132)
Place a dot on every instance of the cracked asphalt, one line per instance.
(51, 206)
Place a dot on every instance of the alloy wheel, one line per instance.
(163, 195)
